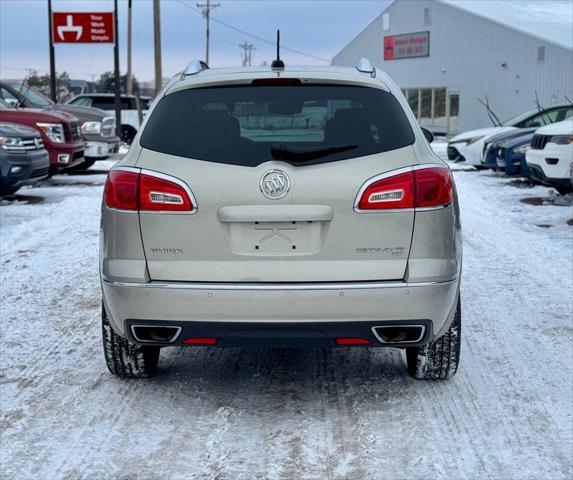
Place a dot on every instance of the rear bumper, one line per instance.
(283, 335)
(282, 305)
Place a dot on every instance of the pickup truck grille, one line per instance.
(28, 144)
(108, 127)
(76, 133)
(538, 142)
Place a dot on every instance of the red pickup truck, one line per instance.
(60, 133)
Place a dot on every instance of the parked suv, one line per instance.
(298, 207)
(551, 154)
(23, 159)
(129, 113)
(60, 133)
(97, 126)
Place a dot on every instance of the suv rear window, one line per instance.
(300, 124)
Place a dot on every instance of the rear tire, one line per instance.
(439, 359)
(125, 359)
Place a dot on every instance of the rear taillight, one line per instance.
(434, 187)
(121, 189)
(416, 188)
(144, 191)
(392, 192)
(160, 194)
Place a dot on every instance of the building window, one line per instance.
(426, 106)
(413, 101)
(429, 106)
(386, 21)
(540, 54)
(427, 17)
(440, 107)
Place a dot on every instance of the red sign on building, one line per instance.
(83, 27)
(408, 45)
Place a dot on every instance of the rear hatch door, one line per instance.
(271, 205)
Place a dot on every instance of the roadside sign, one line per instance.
(408, 45)
(83, 27)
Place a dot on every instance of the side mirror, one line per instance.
(429, 135)
(12, 102)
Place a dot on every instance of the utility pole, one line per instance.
(129, 86)
(206, 9)
(157, 44)
(52, 56)
(117, 101)
(247, 55)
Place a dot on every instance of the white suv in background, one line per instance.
(129, 113)
(551, 154)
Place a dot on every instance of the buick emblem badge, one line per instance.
(275, 184)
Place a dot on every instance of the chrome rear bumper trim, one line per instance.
(279, 286)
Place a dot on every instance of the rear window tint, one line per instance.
(300, 124)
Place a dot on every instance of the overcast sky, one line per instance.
(318, 28)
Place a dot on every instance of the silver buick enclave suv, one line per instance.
(289, 207)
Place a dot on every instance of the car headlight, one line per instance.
(475, 139)
(9, 143)
(91, 127)
(522, 148)
(54, 131)
(562, 139)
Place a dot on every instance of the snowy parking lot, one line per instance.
(290, 414)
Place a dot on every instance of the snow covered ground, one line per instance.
(289, 414)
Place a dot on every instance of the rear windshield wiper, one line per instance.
(301, 154)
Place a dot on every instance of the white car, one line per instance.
(469, 147)
(129, 115)
(550, 158)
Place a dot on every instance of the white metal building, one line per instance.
(446, 58)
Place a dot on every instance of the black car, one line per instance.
(23, 159)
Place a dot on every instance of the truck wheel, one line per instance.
(439, 359)
(127, 134)
(125, 359)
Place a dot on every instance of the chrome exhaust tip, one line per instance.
(399, 333)
(155, 333)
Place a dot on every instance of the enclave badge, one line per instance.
(275, 184)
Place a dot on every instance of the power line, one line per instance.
(256, 37)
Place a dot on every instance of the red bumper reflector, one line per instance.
(352, 341)
(200, 341)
